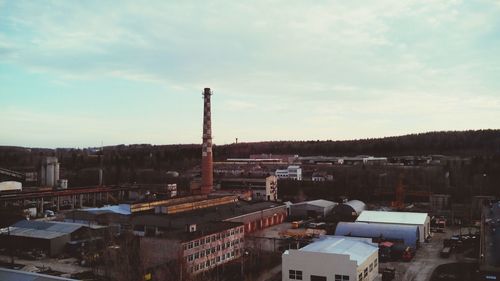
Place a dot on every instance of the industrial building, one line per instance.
(312, 209)
(349, 210)
(263, 188)
(291, 172)
(407, 234)
(421, 220)
(332, 258)
(193, 249)
(49, 236)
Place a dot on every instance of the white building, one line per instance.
(292, 172)
(421, 220)
(332, 258)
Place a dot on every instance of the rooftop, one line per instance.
(43, 229)
(358, 249)
(319, 202)
(10, 274)
(218, 213)
(203, 229)
(392, 217)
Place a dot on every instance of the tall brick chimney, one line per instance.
(207, 165)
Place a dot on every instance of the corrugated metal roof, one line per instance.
(9, 274)
(359, 249)
(392, 217)
(63, 227)
(319, 203)
(43, 229)
(356, 205)
(408, 233)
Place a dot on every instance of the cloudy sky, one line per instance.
(78, 73)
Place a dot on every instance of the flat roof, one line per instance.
(358, 249)
(122, 209)
(218, 213)
(203, 229)
(18, 275)
(392, 217)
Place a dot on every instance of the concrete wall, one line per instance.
(323, 264)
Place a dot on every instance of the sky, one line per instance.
(86, 73)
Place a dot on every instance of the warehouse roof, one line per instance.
(358, 249)
(122, 209)
(408, 233)
(43, 229)
(10, 274)
(392, 217)
(319, 203)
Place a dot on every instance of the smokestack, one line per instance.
(207, 166)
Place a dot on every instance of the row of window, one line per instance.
(212, 262)
(297, 275)
(212, 238)
(212, 250)
(370, 268)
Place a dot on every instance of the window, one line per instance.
(190, 258)
(196, 255)
(184, 247)
(213, 250)
(366, 272)
(190, 245)
(375, 263)
(207, 252)
(207, 263)
(295, 274)
(213, 238)
(371, 267)
(318, 278)
(339, 277)
(360, 277)
(218, 247)
(207, 240)
(197, 243)
(218, 259)
(202, 254)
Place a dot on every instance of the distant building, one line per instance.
(332, 258)
(292, 172)
(421, 220)
(263, 188)
(312, 208)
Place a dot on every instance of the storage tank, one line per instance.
(11, 186)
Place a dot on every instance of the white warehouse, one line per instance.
(292, 172)
(332, 258)
(421, 220)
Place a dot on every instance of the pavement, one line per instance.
(66, 266)
(427, 258)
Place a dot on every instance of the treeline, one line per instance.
(461, 143)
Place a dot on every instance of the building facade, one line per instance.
(292, 172)
(332, 259)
